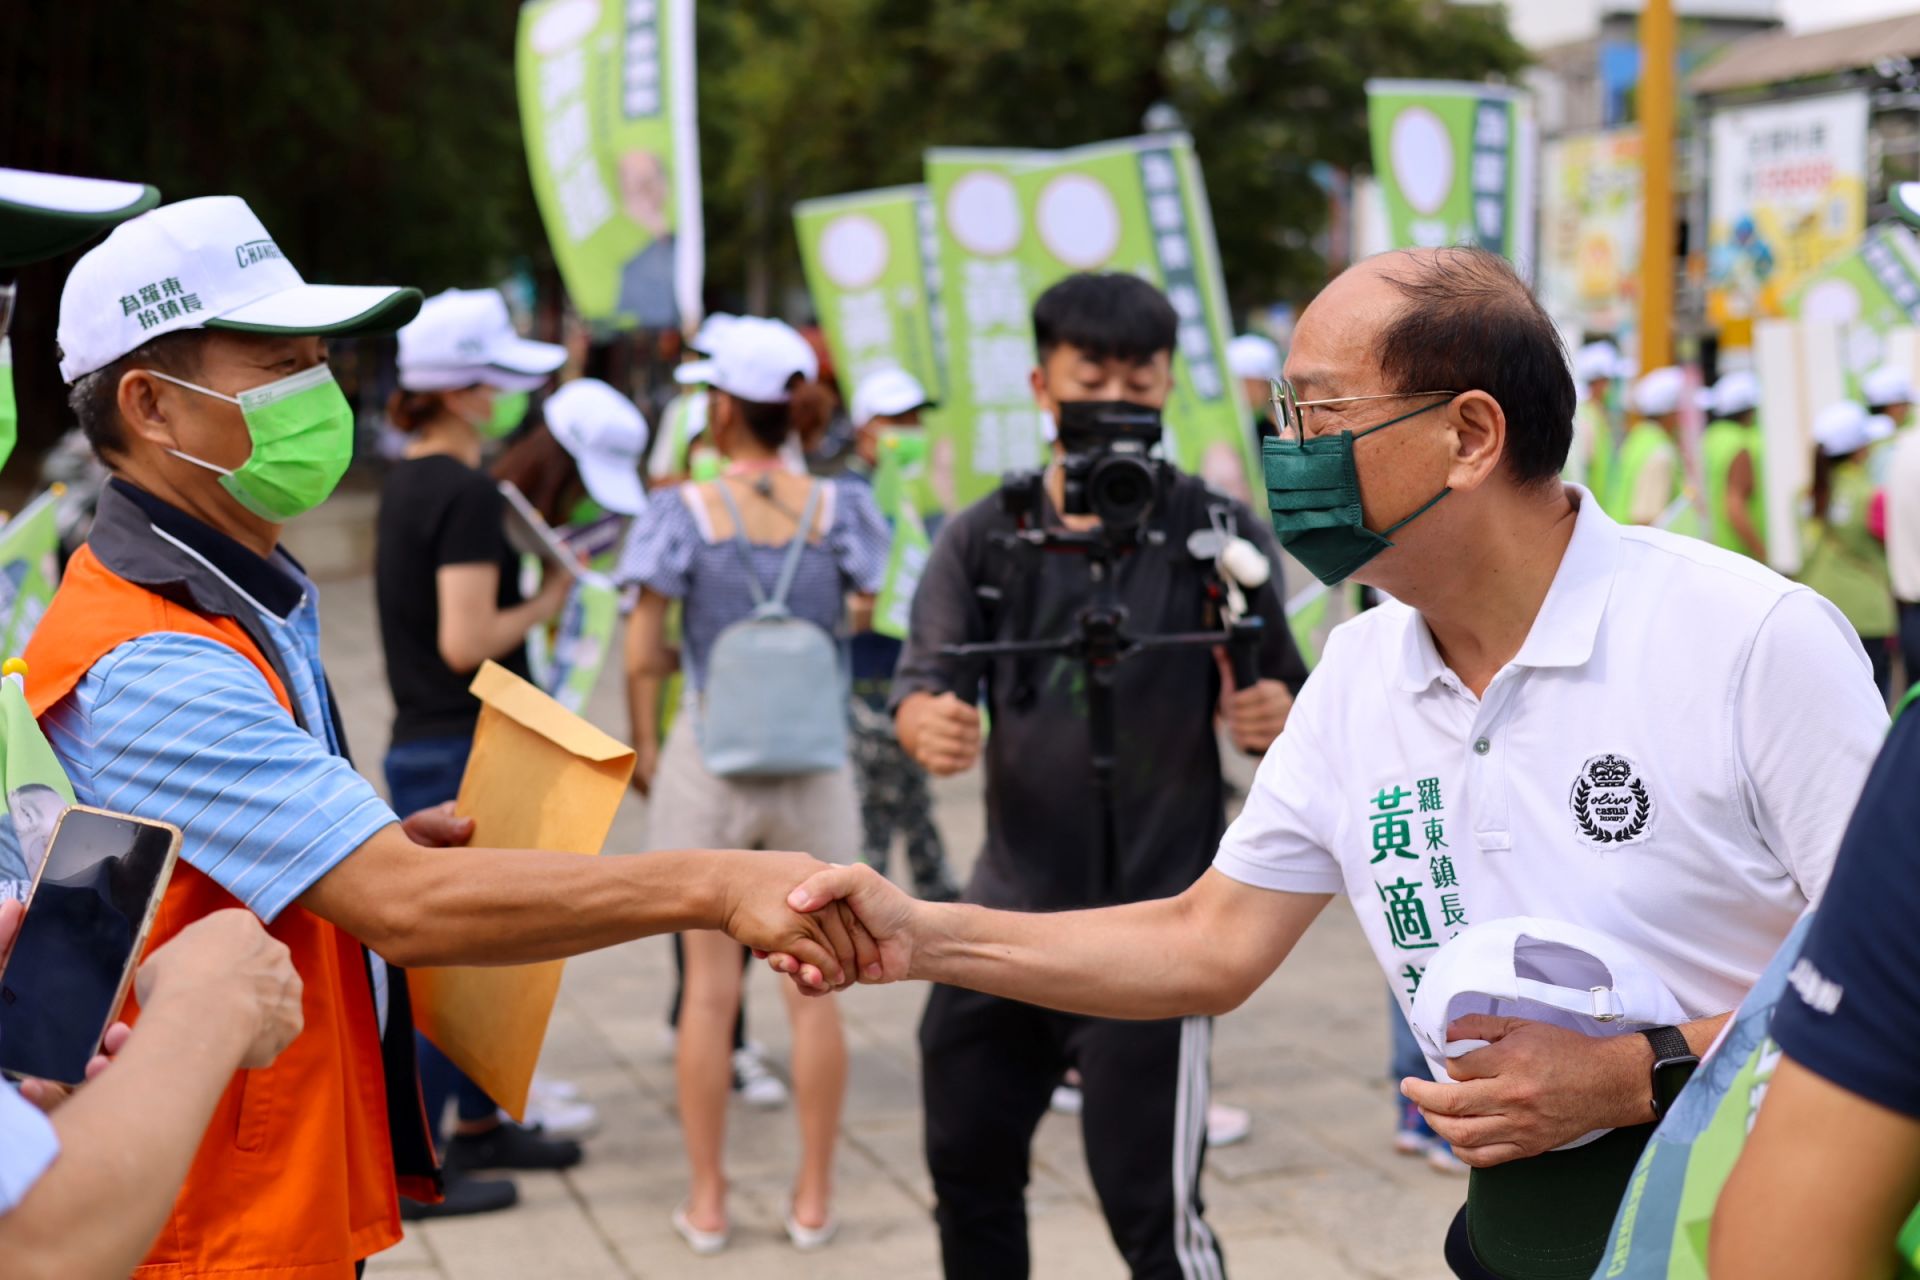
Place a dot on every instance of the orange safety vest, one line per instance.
(294, 1179)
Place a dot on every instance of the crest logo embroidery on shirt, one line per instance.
(1610, 804)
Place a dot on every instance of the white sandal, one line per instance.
(703, 1243)
(807, 1239)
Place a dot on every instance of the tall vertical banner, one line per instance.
(861, 254)
(1590, 216)
(1876, 288)
(1787, 195)
(1456, 165)
(607, 109)
(1014, 222)
(29, 570)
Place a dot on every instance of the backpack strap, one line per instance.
(798, 546)
(740, 544)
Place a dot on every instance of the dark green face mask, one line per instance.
(1313, 491)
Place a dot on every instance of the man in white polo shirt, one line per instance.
(1557, 716)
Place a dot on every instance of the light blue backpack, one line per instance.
(775, 701)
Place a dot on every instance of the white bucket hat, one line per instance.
(755, 360)
(1542, 970)
(1887, 385)
(885, 393)
(607, 438)
(464, 337)
(205, 263)
(1595, 361)
(1845, 427)
(42, 215)
(1737, 392)
(1658, 392)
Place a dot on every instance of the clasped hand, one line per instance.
(839, 926)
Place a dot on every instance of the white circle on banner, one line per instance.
(563, 25)
(1833, 301)
(1078, 221)
(854, 250)
(983, 213)
(1422, 153)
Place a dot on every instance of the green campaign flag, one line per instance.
(1010, 224)
(607, 109)
(893, 608)
(1456, 165)
(566, 661)
(861, 253)
(900, 473)
(37, 791)
(1876, 285)
(9, 414)
(29, 570)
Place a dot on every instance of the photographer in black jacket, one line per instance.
(989, 1065)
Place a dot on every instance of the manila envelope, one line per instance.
(539, 777)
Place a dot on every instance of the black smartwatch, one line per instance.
(1673, 1064)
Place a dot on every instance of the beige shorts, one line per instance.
(816, 813)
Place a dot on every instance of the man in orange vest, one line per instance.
(177, 673)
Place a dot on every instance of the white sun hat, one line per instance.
(1253, 355)
(1736, 392)
(1845, 427)
(42, 215)
(1886, 385)
(886, 393)
(755, 359)
(1595, 361)
(1658, 392)
(607, 439)
(464, 337)
(1541, 970)
(204, 263)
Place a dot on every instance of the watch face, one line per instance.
(1670, 1076)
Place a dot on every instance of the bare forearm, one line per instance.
(1636, 1066)
(1741, 518)
(643, 707)
(501, 906)
(126, 1141)
(1144, 960)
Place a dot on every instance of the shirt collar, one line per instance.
(1564, 631)
(278, 584)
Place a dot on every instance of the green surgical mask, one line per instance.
(1313, 491)
(9, 415)
(302, 432)
(509, 411)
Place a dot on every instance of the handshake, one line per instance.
(824, 926)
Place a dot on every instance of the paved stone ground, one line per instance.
(1315, 1194)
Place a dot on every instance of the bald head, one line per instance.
(1456, 319)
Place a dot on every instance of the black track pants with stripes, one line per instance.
(988, 1069)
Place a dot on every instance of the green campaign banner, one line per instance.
(606, 93)
(37, 791)
(1010, 224)
(861, 254)
(893, 607)
(29, 570)
(1877, 285)
(1456, 165)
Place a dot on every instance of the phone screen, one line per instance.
(63, 982)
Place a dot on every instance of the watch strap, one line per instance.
(1668, 1044)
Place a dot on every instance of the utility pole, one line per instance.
(1656, 103)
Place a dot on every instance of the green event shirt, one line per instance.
(1644, 442)
(1723, 442)
(1844, 561)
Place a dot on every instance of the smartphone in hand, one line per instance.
(86, 926)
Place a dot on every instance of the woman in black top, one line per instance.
(448, 588)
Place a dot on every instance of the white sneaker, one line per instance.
(560, 1118)
(1440, 1159)
(1067, 1100)
(807, 1239)
(704, 1243)
(758, 1086)
(1227, 1125)
(554, 1087)
(1409, 1143)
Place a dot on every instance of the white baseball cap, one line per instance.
(607, 438)
(1253, 355)
(1736, 392)
(707, 339)
(1845, 427)
(754, 360)
(204, 263)
(464, 337)
(1543, 970)
(42, 215)
(1595, 361)
(885, 393)
(1658, 392)
(1886, 385)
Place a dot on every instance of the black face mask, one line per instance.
(1089, 424)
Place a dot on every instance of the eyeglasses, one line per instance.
(1291, 421)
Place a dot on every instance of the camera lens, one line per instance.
(1121, 490)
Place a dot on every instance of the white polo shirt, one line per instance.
(1670, 758)
(27, 1146)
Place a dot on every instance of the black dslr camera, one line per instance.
(1108, 471)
